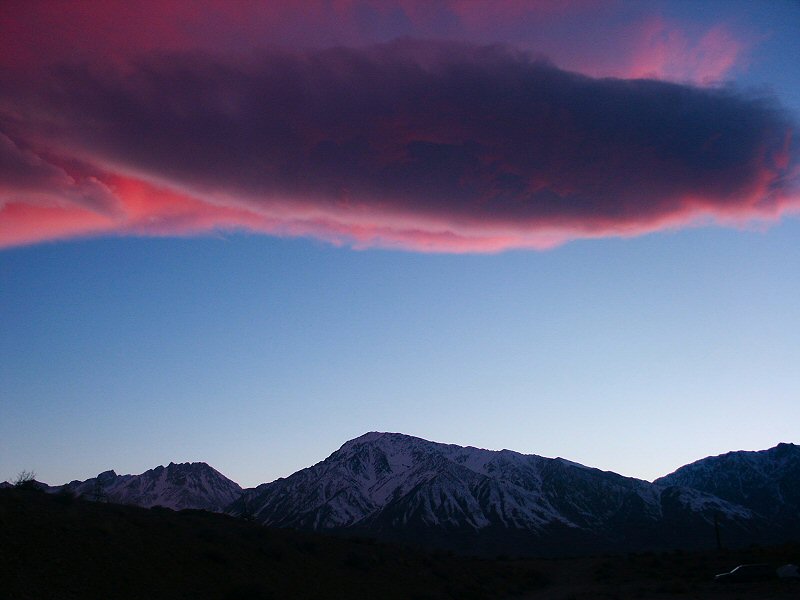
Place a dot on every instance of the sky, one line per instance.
(244, 233)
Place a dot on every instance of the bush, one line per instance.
(26, 480)
(65, 496)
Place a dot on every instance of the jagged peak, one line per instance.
(190, 465)
(572, 463)
(783, 447)
(737, 458)
(400, 440)
(158, 470)
(173, 466)
(382, 437)
(372, 436)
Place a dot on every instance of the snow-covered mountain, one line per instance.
(176, 486)
(398, 487)
(766, 481)
(401, 487)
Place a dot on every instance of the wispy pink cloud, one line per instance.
(664, 50)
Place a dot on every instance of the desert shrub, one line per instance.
(361, 561)
(271, 552)
(604, 572)
(26, 480)
(672, 587)
(207, 534)
(218, 558)
(65, 496)
(308, 547)
(252, 591)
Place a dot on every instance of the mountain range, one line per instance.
(176, 486)
(402, 488)
(397, 487)
(767, 481)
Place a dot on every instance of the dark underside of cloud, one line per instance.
(401, 144)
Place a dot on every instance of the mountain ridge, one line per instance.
(400, 487)
(765, 481)
(178, 485)
(397, 486)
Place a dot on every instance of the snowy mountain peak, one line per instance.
(571, 463)
(765, 481)
(371, 436)
(390, 482)
(109, 475)
(383, 440)
(176, 486)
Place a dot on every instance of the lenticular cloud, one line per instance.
(418, 145)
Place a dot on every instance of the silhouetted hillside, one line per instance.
(56, 546)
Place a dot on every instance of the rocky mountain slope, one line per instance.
(396, 486)
(766, 481)
(176, 486)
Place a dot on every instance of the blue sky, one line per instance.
(157, 312)
(261, 355)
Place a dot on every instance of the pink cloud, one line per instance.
(427, 146)
(664, 50)
(40, 32)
